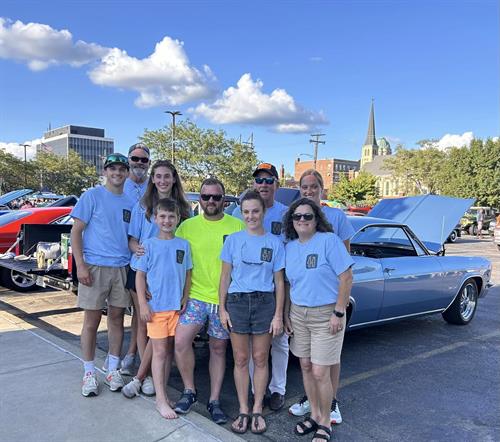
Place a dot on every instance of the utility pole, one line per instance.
(249, 143)
(316, 142)
(25, 175)
(174, 114)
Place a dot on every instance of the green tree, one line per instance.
(63, 175)
(15, 173)
(417, 168)
(362, 189)
(473, 172)
(201, 153)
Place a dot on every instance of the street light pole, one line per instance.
(25, 175)
(174, 114)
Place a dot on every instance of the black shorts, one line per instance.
(251, 313)
(130, 284)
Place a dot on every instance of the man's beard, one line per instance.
(139, 172)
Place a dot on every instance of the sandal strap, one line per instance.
(326, 436)
(305, 428)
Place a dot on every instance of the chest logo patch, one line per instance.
(126, 215)
(312, 261)
(266, 254)
(276, 228)
(179, 256)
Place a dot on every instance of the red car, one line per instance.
(10, 222)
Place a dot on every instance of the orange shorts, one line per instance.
(163, 324)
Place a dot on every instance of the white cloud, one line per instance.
(453, 140)
(247, 104)
(17, 149)
(165, 77)
(40, 46)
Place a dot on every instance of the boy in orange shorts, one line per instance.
(165, 271)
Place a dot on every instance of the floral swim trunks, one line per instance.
(199, 312)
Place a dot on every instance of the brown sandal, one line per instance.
(242, 426)
(254, 426)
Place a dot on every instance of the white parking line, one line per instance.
(411, 360)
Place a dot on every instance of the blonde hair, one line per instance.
(314, 173)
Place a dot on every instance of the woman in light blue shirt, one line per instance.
(311, 186)
(251, 296)
(318, 268)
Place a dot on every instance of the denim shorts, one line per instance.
(251, 313)
(130, 284)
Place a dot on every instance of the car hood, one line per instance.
(431, 217)
(11, 196)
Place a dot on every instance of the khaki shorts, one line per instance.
(311, 335)
(108, 283)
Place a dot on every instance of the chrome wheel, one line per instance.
(468, 300)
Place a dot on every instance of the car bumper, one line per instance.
(486, 289)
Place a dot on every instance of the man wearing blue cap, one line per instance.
(99, 239)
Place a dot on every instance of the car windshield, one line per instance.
(7, 218)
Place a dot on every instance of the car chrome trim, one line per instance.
(396, 317)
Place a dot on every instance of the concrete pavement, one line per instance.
(40, 397)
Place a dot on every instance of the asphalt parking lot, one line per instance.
(420, 379)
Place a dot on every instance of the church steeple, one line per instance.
(370, 135)
(370, 148)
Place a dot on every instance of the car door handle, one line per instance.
(389, 269)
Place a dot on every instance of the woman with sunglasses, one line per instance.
(318, 268)
(164, 182)
(252, 270)
(311, 186)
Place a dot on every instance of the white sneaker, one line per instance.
(90, 386)
(105, 365)
(114, 380)
(127, 365)
(335, 416)
(132, 389)
(148, 387)
(300, 408)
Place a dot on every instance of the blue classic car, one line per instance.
(398, 274)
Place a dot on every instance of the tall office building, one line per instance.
(88, 142)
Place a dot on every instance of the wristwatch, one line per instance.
(338, 314)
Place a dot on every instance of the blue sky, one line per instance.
(281, 70)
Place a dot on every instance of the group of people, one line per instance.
(269, 278)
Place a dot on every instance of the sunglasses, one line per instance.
(206, 197)
(305, 216)
(264, 180)
(141, 159)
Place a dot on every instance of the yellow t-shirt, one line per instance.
(206, 239)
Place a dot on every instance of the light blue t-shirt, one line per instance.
(273, 218)
(135, 190)
(254, 261)
(107, 217)
(140, 228)
(165, 263)
(341, 225)
(312, 268)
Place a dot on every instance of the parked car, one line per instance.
(468, 222)
(399, 274)
(10, 225)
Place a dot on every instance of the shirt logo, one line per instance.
(266, 254)
(179, 256)
(126, 215)
(312, 261)
(276, 228)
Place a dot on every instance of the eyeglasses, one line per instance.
(206, 197)
(264, 180)
(141, 159)
(305, 216)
